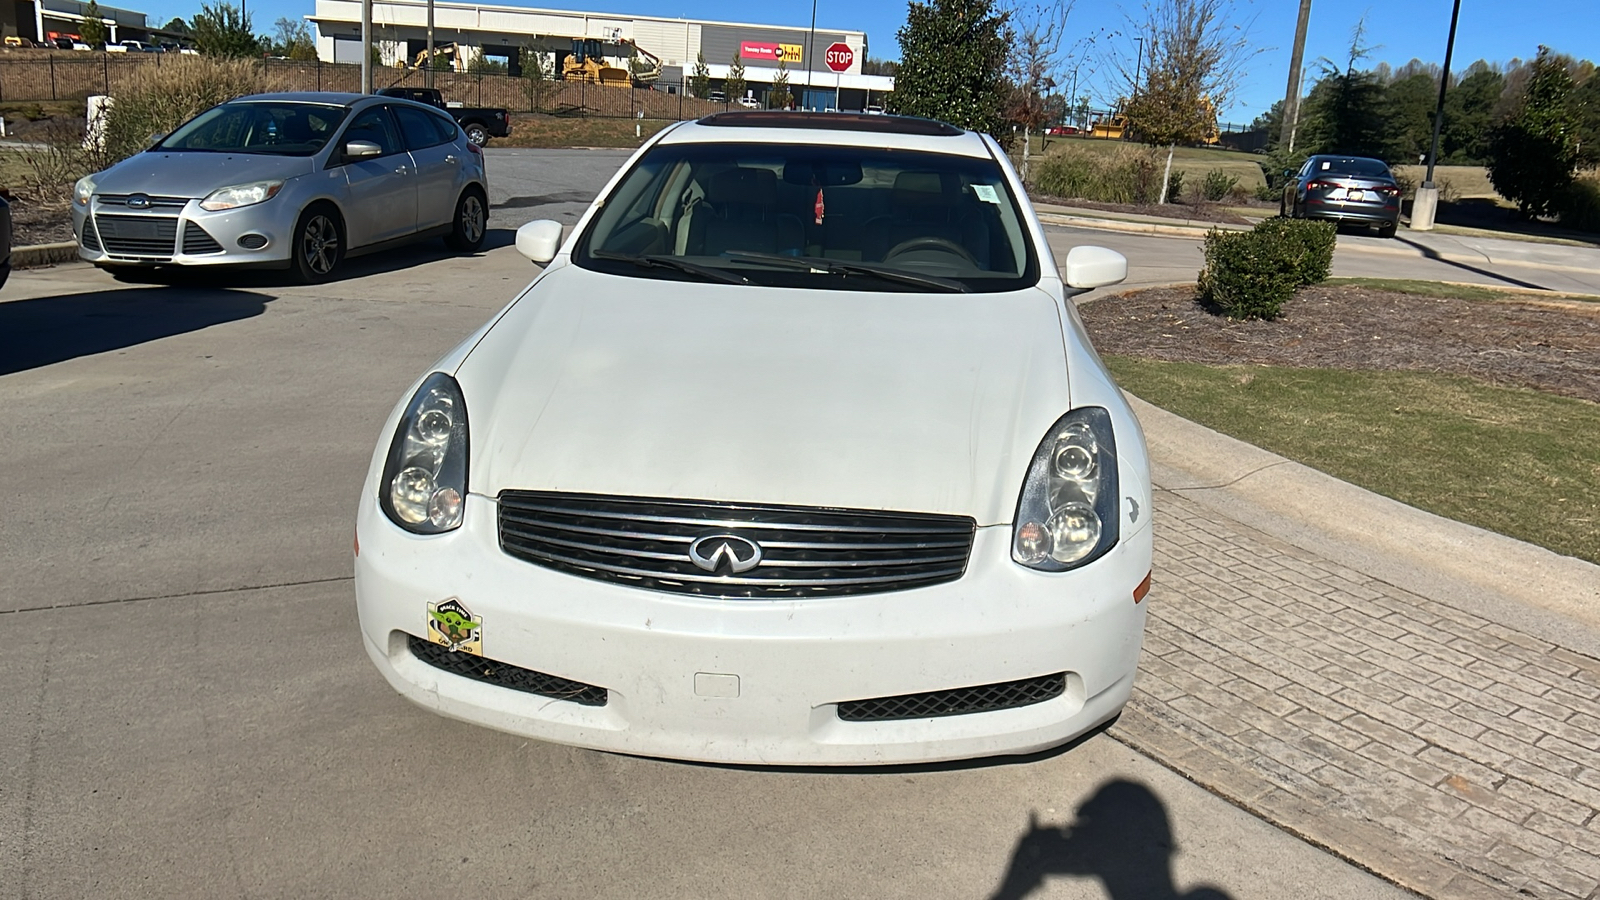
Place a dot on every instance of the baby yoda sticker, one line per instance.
(454, 626)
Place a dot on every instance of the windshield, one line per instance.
(843, 218)
(285, 129)
(1368, 167)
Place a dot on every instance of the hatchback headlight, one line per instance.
(241, 195)
(83, 190)
(1067, 515)
(424, 485)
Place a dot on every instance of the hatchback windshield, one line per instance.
(1370, 168)
(844, 218)
(286, 129)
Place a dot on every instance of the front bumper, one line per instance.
(792, 662)
(179, 232)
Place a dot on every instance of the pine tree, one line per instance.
(93, 31)
(700, 79)
(733, 85)
(952, 63)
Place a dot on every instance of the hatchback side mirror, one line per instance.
(539, 240)
(361, 150)
(1288, 173)
(1092, 267)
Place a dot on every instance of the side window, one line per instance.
(375, 125)
(447, 127)
(417, 126)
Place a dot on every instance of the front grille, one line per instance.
(196, 240)
(138, 235)
(155, 202)
(88, 238)
(805, 551)
(505, 675)
(957, 702)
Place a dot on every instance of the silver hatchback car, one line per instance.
(301, 180)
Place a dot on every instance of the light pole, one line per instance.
(427, 73)
(811, 47)
(1291, 97)
(366, 46)
(1426, 205)
(1138, 66)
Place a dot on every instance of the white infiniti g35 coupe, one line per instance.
(796, 452)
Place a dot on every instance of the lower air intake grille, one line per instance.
(138, 235)
(88, 239)
(756, 551)
(507, 676)
(197, 241)
(957, 702)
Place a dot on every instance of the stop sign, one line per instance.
(839, 57)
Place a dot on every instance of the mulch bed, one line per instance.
(1201, 212)
(34, 223)
(1548, 346)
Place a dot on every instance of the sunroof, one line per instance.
(831, 122)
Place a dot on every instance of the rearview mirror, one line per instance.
(1092, 267)
(539, 240)
(361, 149)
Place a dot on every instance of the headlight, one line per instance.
(1067, 515)
(241, 195)
(424, 485)
(83, 190)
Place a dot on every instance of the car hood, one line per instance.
(192, 174)
(640, 387)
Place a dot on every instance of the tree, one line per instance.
(537, 74)
(733, 85)
(292, 38)
(1409, 103)
(700, 79)
(1036, 59)
(1534, 154)
(870, 66)
(780, 97)
(93, 31)
(952, 64)
(177, 26)
(224, 30)
(479, 64)
(1585, 103)
(1346, 108)
(1469, 116)
(1194, 55)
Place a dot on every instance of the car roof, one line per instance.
(832, 129)
(327, 98)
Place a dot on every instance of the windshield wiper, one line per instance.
(841, 267)
(659, 261)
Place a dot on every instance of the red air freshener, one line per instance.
(818, 208)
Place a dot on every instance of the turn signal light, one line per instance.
(1142, 589)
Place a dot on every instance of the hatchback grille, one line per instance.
(805, 551)
(88, 238)
(505, 675)
(138, 235)
(197, 241)
(957, 702)
(155, 202)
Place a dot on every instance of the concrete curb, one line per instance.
(36, 255)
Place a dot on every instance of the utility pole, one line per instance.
(427, 73)
(1426, 204)
(1138, 67)
(811, 48)
(366, 46)
(1291, 98)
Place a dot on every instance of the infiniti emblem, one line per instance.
(711, 552)
(138, 201)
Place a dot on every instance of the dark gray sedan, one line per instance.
(1349, 190)
(301, 180)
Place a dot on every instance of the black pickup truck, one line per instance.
(480, 124)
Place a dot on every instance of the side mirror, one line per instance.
(539, 240)
(1092, 267)
(361, 150)
(156, 138)
(1288, 173)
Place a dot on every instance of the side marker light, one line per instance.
(1142, 589)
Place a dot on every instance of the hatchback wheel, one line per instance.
(477, 134)
(318, 244)
(470, 224)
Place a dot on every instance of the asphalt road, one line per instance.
(188, 711)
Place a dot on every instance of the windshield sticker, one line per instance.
(453, 626)
(818, 209)
(1326, 166)
(986, 193)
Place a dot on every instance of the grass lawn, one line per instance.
(1451, 289)
(1513, 461)
(1466, 181)
(1193, 162)
(533, 130)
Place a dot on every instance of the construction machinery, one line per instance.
(587, 63)
(442, 51)
(1111, 127)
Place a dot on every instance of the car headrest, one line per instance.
(832, 173)
(918, 189)
(757, 186)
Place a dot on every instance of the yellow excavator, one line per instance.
(587, 63)
(447, 51)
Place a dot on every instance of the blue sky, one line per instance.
(1400, 29)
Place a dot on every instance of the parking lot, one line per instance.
(190, 712)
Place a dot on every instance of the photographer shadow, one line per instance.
(1121, 836)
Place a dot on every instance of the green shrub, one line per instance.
(1217, 185)
(1174, 185)
(157, 99)
(1126, 175)
(1268, 194)
(1580, 205)
(1248, 274)
(1308, 244)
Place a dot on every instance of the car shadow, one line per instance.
(1434, 255)
(42, 331)
(1121, 836)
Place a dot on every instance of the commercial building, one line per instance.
(504, 32)
(43, 20)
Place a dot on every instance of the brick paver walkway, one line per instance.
(1453, 755)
